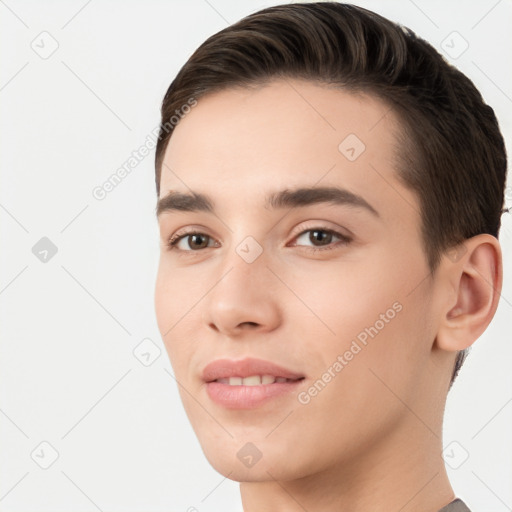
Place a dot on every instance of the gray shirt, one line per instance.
(456, 505)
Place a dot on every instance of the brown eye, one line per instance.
(190, 242)
(197, 241)
(319, 235)
(322, 239)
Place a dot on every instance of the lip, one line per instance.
(225, 368)
(247, 397)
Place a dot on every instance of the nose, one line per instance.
(245, 299)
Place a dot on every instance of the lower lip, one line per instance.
(248, 397)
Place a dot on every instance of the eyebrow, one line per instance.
(296, 198)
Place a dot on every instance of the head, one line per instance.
(325, 96)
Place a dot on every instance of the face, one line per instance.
(329, 285)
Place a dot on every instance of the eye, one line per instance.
(194, 240)
(322, 239)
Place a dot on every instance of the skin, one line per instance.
(372, 438)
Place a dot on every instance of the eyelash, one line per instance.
(344, 240)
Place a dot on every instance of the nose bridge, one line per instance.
(246, 267)
(243, 293)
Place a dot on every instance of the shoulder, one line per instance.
(456, 505)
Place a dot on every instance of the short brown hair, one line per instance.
(452, 153)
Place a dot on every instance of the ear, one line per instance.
(474, 275)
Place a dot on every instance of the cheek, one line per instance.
(346, 297)
(354, 388)
(366, 311)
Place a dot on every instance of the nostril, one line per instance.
(252, 324)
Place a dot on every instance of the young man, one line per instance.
(330, 193)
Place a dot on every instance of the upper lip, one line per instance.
(225, 368)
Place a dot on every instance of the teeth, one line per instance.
(252, 380)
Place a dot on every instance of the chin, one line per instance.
(260, 472)
(251, 463)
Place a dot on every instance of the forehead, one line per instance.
(241, 141)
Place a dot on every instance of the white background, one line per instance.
(69, 326)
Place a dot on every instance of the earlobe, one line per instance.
(476, 278)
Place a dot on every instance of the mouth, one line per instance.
(254, 380)
(248, 383)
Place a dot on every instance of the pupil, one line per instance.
(321, 238)
(195, 237)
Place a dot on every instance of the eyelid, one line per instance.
(311, 225)
(343, 240)
(191, 229)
